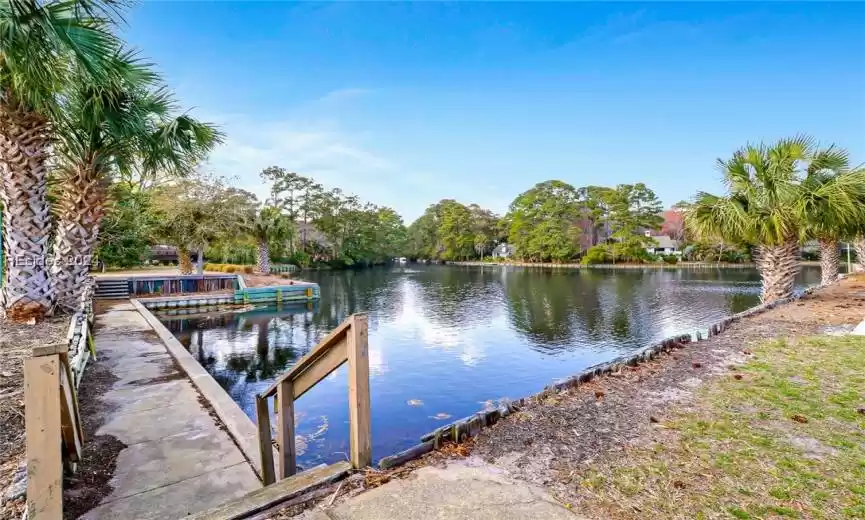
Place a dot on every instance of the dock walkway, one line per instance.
(177, 460)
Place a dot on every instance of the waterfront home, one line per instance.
(664, 245)
(504, 250)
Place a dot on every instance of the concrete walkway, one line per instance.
(469, 489)
(177, 460)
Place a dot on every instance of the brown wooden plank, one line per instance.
(406, 455)
(359, 423)
(70, 333)
(44, 438)
(64, 360)
(285, 430)
(279, 493)
(265, 441)
(308, 360)
(324, 365)
(68, 415)
(50, 350)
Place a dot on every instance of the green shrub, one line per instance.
(735, 256)
(670, 259)
(299, 259)
(596, 255)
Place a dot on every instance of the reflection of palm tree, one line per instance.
(272, 357)
(261, 366)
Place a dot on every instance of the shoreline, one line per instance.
(573, 423)
(659, 265)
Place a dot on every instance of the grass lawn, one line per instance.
(783, 436)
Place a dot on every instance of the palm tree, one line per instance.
(859, 247)
(41, 42)
(269, 225)
(832, 205)
(130, 125)
(761, 208)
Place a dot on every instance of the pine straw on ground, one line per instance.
(784, 439)
(16, 343)
(268, 280)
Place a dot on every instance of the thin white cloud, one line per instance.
(312, 142)
(319, 149)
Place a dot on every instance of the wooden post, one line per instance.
(69, 419)
(44, 437)
(265, 446)
(358, 392)
(285, 429)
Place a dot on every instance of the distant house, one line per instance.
(162, 253)
(504, 250)
(665, 245)
(168, 254)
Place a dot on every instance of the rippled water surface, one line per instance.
(446, 341)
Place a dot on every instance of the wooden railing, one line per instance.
(54, 433)
(346, 343)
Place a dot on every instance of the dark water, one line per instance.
(445, 341)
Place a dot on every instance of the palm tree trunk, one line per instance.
(199, 261)
(184, 263)
(263, 257)
(859, 247)
(830, 260)
(778, 266)
(81, 203)
(27, 291)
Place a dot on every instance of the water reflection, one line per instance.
(445, 340)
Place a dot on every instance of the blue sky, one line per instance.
(406, 104)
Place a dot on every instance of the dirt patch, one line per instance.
(267, 280)
(215, 416)
(171, 371)
(91, 482)
(161, 379)
(16, 343)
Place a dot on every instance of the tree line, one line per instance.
(300, 223)
(552, 221)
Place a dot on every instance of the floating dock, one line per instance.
(171, 292)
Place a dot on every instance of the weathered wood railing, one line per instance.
(346, 343)
(54, 434)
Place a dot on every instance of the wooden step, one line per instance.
(275, 495)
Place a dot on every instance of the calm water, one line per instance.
(447, 341)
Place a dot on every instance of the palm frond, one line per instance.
(714, 217)
(43, 43)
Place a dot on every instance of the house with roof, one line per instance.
(504, 250)
(664, 245)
